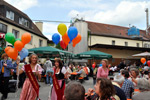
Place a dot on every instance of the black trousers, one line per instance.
(14, 76)
(4, 81)
(22, 78)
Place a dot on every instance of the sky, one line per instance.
(115, 12)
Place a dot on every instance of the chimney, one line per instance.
(147, 21)
(39, 25)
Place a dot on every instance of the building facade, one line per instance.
(14, 21)
(111, 39)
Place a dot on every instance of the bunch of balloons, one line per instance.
(143, 61)
(18, 45)
(69, 36)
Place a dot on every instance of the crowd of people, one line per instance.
(130, 83)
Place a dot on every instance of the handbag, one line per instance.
(12, 86)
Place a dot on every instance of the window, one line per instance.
(137, 45)
(31, 40)
(113, 42)
(40, 42)
(10, 15)
(24, 22)
(3, 28)
(16, 33)
(126, 43)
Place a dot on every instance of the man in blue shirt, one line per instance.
(127, 86)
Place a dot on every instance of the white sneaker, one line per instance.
(51, 85)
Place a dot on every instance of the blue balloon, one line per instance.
(100, 65)
(23, 53)
(145, 63)
(56, 38)
(72, 33)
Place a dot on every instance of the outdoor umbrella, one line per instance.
(144, 54)
(94, 54)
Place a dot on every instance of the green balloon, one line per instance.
(18, 39)
(9, 37)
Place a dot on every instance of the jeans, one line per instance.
(49, 79)
(94, 81)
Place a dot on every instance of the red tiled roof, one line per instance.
(113, 30)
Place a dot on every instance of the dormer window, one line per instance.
(24, 22)
(10, 15)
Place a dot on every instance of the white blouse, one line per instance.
(37, 68)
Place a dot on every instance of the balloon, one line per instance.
(7, 48)
(18, 39)
(143, 60)
(26, 38)
(100, 65)
(12, 53)
(66, 39)
(62, 29)
(145, 63)
(56, 38)
(9, 37)
(62, 44)
(18, 45)
(23, 53)
(148, 63)
(93, 65)
(72, 33)
(76, 40)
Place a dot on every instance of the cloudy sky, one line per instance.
(116, 12)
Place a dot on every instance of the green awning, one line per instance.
(48, 50)
(94, 54)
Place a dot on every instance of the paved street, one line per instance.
(45, 90)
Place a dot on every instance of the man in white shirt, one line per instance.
(49, 71)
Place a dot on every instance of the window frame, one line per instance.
(16, 31)
(113, 42)
(40, 43)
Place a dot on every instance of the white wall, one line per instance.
(118, 41)
(82, 46)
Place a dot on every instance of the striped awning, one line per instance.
(2, 35)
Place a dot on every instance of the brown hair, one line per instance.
(106, 88)
(135, 70)
(3, 55)
(31, 57)
(60, 62)
(74, 91)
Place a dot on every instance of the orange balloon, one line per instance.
(18, 45)
(12, 53)
(76, 40)
(66, 39)
(143, 60)
(7, 48)
(26, 38)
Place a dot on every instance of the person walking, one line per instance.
(49, 71)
